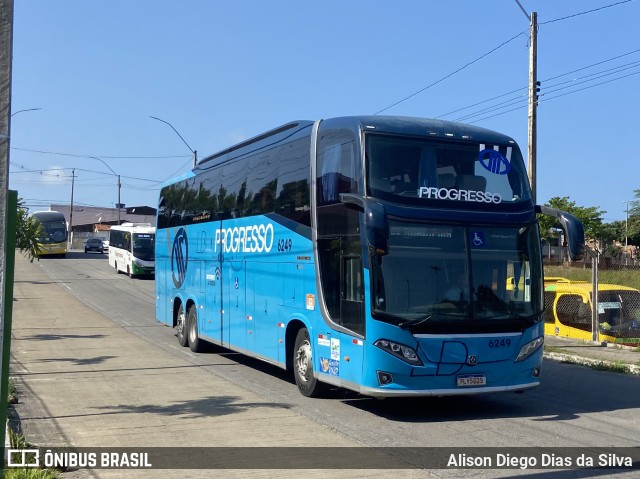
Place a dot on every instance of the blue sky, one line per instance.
(222, 71)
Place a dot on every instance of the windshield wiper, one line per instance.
(412, 322)
(510, 315)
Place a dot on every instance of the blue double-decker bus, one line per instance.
(391, 256)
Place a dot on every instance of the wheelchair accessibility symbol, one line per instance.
(477, 239)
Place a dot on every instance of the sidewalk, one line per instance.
(589, 353)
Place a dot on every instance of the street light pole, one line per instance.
(195, 152)
(626, 232)
(119, 183)
(27, 109)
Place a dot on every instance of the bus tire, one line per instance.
(307, 383)
(195, 343)
(181, 327)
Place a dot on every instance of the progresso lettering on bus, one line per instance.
(245, 239)
(453, 194)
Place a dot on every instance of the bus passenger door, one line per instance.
(267, 291)
(351, 351)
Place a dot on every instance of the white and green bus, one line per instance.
(132, 248)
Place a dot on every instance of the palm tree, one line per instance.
(27, 232)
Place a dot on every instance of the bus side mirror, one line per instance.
(375, 222)
(573, 229)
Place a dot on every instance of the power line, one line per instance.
(45, 171)
(451, 74)
(120, 157)
(592, 86)
(491, 51)
(594, 64)
(493, 108)
(584, 13)
(558, 96)
(572, 84)
(100, 156)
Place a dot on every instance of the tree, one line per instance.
(634, 219)
(614, 231)
(27, 232)
(591, 218)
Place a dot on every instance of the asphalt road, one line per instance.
(575, 406)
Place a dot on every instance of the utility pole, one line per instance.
(73, 177)
(6, 49)
(533, 103)
(119, 205)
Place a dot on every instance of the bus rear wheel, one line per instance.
(181, 327)
(307, 383)
(195, 343)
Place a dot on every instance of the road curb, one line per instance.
(572, 358)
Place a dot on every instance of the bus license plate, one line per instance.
(472, 380)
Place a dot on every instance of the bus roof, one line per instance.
(401, 125)
(407, 125)
(135, 227)
(48, 215)
(257, 142)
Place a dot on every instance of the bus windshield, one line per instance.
(416, 171)
(143, 246)
(619, 311)
(53, 232)
(439, 273)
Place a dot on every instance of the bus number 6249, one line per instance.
(284, 244)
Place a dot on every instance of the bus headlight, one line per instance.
(530, 348)
(400, 351)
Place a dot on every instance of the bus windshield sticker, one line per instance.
(310, 302)
(477, 239)
(330, 366)
(494, 161)
(453, 194)
(335, 349)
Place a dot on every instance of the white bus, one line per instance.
(132, 248)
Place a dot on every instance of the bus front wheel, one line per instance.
(195, 343)
(181, 327)
(307, 383)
